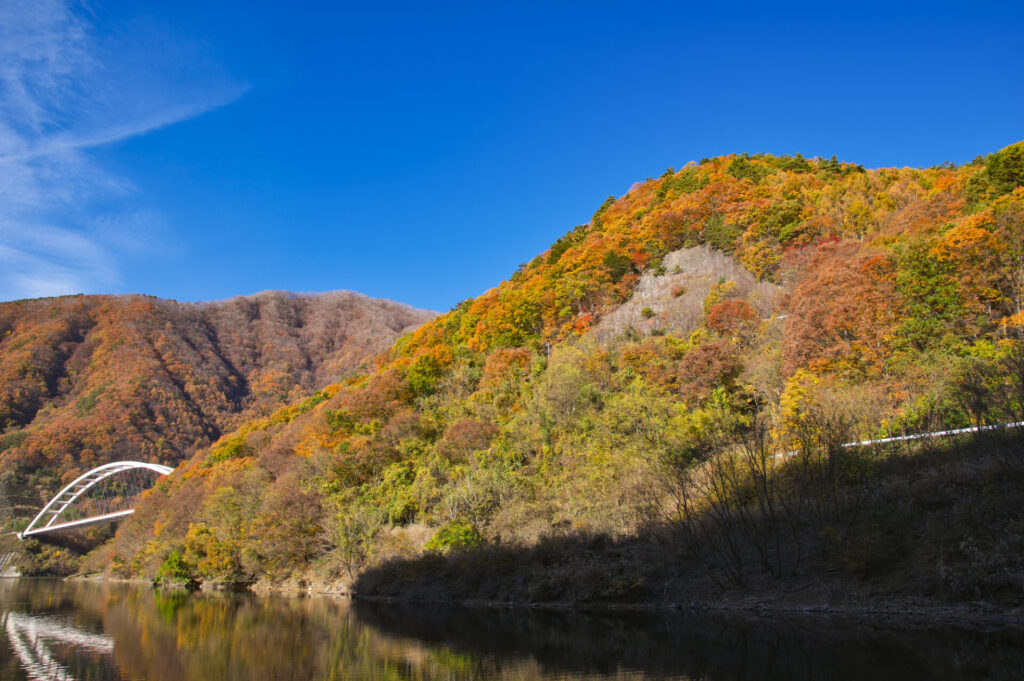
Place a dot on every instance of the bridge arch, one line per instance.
(46, 520)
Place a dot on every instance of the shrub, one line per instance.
(13, 439)
(423, 375)
(174, 570)
(454, 535)
(236, 447)
(311, 401)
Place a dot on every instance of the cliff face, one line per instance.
(88, 379)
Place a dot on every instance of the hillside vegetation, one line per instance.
(89, 379)
(679, 375)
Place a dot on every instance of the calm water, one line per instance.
(92, 632)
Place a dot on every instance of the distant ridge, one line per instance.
(90, 378)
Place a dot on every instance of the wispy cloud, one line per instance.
(68, 85)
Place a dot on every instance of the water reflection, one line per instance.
(32, 639)
(92, 632)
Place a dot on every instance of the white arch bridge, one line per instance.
(102, 495)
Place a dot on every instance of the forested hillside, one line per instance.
(89, 379)
(681, 372)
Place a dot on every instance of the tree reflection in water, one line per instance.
(93, 632)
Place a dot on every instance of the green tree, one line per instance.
(1005, 168)
(617, 265)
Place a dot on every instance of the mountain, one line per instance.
(89, 379)
(659, 405)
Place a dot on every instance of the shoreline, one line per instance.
(896, 611)
(936, 613)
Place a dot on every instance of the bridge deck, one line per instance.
(84, 522)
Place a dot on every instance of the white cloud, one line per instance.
(67, 85)
(28, 274)
(140, 232)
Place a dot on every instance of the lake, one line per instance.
(91, 631)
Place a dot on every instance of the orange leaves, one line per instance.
(441, 355)
(431, 333)
(974, 247)
(845, 308)
(732, 317)
(706, 367)
(466, 436)
(966, 238)
(582, 323)
(317, 437)
(946, 182)
(640, 357)
(1014, 321)
(506, 364)
(384, 393)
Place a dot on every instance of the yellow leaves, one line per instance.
(858, 217)
(759, 257)
(237, 465)
(796, 397)
(213, 557)
(718, 293)
(885, 201)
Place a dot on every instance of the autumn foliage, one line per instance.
(510, 417)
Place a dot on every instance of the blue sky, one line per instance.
(420, 152)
